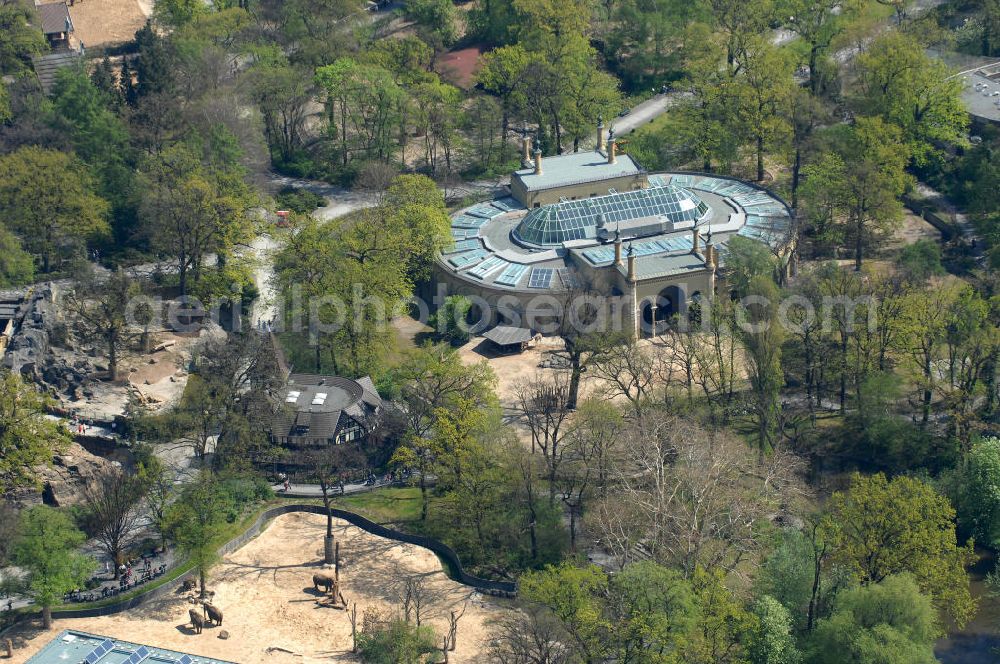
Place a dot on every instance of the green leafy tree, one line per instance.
(771, 642)
(899, 82)
(574, 594)
(436, 22)
(19, 39)
(975, 488)
(56, 215)
(858, 188)
(503, 74)
(888, 623)
(27, 437)
(47, 548)
(191, 210)
(99, 137)
(16, 265)
(195, 519)
(882, 527)
(396, 642)
(763, 93)
(921, 260)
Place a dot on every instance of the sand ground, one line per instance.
(106, 22)
(271, 610)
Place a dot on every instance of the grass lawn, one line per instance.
(389, 505)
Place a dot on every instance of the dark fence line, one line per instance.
(450, 558)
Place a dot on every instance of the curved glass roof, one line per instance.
(554, 224)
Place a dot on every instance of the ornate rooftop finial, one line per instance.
(630, 252)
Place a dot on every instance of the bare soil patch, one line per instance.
(105, 22)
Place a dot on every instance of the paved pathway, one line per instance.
(313, 491)
(644, 113)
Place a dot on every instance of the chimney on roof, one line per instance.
(695, 241)
(612, 152)
(600, 134)
(526, 152)
(711, 258)
(538, 161)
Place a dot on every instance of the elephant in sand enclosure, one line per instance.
(213, 614)
(327, 580)
(197, 622)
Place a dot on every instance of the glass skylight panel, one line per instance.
(484, 211)
(464, 233)
(755, 198)
(511, 275)
(599, 255)
(507, 204)
(468, 258)
(769, 210)
(488, 267)
(680, 180)
(464, 245)
(467, 221)
(541, 277)
(573, 220)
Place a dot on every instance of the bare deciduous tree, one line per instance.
(114, 502)
(530, 637)
(694, 497)
(544, 405)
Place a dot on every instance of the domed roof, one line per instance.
(565, 221)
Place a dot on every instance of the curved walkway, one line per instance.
(453, 566)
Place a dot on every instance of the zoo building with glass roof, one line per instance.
(645, 246)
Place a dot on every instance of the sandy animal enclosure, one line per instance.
(270, 608)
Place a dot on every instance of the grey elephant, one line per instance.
(197, 622)
(328, 581)
(213, 614)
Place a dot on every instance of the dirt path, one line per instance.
(265, 591)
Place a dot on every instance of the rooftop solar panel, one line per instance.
(568, 277)
(511, 275)
(541, 277)
(97, 653)
(140, 654)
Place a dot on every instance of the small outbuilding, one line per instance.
(509, 339)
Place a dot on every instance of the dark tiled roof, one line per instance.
(54, 18)
(315, 407)
(504, 335)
